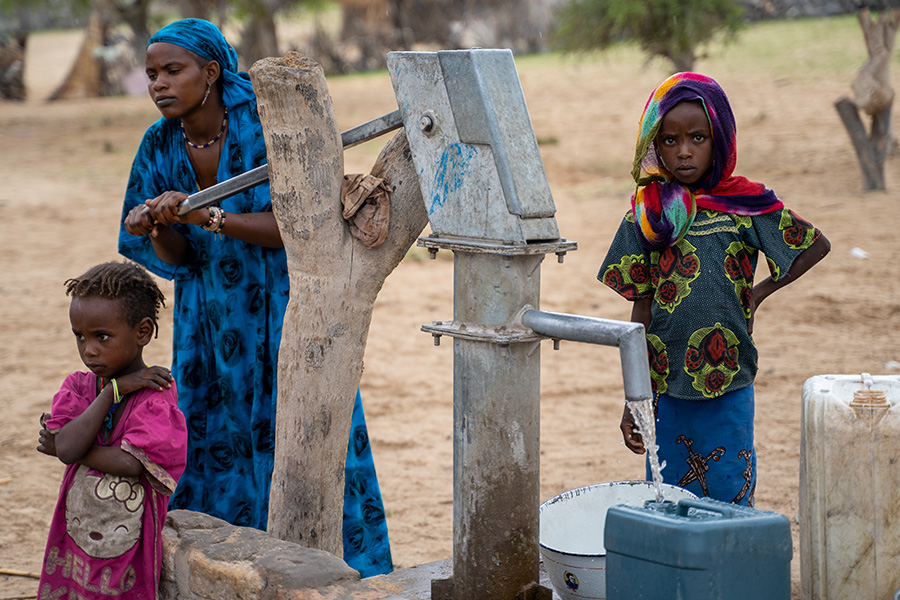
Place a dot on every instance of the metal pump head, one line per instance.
(472, 142)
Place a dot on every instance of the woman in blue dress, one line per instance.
(231, 288)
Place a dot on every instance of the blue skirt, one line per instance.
(232, 497)
(707, 445)
(366, 545)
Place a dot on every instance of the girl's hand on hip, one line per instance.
(630, 434)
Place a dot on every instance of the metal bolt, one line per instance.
(437, 339)
(560, 256)
(426, 122)
(432, 253)
(556, 344)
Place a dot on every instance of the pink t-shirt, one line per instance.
(105, 538)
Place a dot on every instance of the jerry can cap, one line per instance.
(867, 397)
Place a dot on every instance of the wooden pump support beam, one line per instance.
(334, 281)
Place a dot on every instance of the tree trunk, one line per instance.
(334, 282)
(683, 61)
(86, 79)
(872, 89)
(873, 95)
(371, 28)
(869, 151)
(258, 38)
(12, 67)
(135, 14)
(196, 9)
(211, 10)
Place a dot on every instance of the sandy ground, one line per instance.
(64, 168)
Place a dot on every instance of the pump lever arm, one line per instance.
(259, 175)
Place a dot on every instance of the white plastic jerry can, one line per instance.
(850, 487)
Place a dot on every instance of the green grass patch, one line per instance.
(797, 48)
(805, 48)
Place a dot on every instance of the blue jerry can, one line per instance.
(697, 550)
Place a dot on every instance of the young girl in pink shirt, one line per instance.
(118, 429)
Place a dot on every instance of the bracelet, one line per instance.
(216, 220)
(116, 397)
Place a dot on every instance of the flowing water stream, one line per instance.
(642, 410)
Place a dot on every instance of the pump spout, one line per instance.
(627, 335)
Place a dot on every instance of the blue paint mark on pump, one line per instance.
(450, 174)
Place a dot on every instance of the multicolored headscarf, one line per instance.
(664, 208)
(206, 40)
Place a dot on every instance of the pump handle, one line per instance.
(259, 175)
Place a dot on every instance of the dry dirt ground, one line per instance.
(64, 167)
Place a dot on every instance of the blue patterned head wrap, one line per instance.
(206, 40)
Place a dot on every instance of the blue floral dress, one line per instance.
(229, 306)
(702, 359)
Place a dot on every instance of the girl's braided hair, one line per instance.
(127, 282)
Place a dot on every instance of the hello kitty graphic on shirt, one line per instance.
(103, 514)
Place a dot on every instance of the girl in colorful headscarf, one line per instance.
(231, 288)
(686, 255)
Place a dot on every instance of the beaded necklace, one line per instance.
(210, 142)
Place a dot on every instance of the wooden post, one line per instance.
(871, 161)
(873, 95)
(872, 89)
(334, 282)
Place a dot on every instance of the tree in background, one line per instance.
(372, 28)
(873, 95)
(258, 37)
(91, 74)
(672, 29)
(22, 16)
(105, 56)
(12, 66)
(109, 54)
(136, 14)
(369, 30)
(17, 19)
(211, 10)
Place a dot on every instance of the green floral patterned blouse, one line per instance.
(698, 343)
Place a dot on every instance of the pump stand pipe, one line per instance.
(627, 335)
